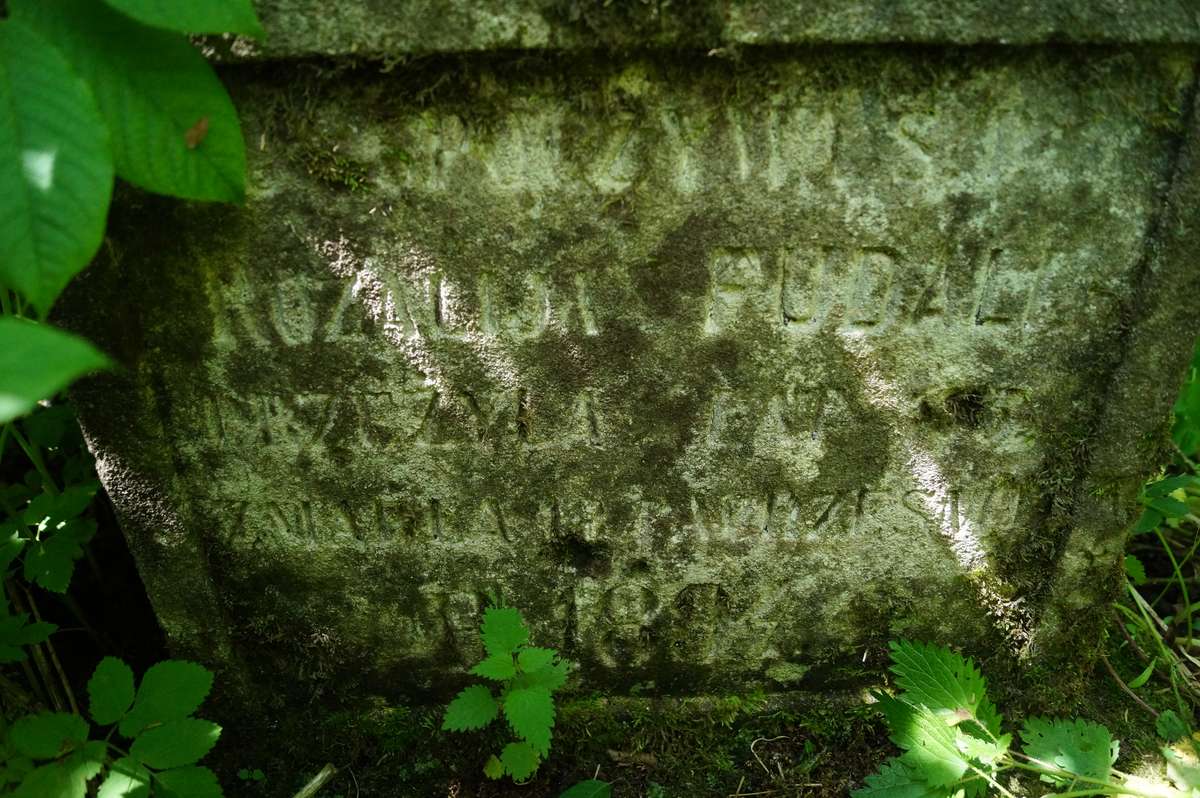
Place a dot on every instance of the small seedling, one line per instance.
(527, 678)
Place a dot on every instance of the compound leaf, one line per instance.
(110, 691)
(592, 788)
(65, 779)
(1078, 747)
(188, 782)
(194, 16)
(473, 708)
(50, 561)
(932, 749)
(126, 779)
(503, 631)
(56, 172)
(170, 690)
(897, 780)
(154, 91)
(943, 681)
(520, 760)
(175, 743)
(532, 658)
(45, 735)
(497, 667)
(37, 361)
(530, 713)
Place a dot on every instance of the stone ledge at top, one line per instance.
(304, 28)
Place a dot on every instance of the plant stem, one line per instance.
(62, 674)
(1108, 788)
(35, 456)
(1187, 601)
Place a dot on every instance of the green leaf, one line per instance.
(1148, 521)
(46, 735)
(503, 631)
(1169, 507)
(530, 713)
(1135, 570)
(985, 752)
(496, 667)
(110, 691)
(1144, 676)
(1165, 487)
(51, 509)
(175, 743)
(520, 760)
(533, 659)
(1078, 747)
(126, 779)
(473, 708)
(897, 780)
(493, 768)
(174, 129)
(51, 561)
(170, 690)
(56, 172)
(932, 748)
(37, 361)
(194, 16)
(551, 677)
(189, 782)
(943, 681)
(65, 779)
(1170, 726)
(592, 788)
(15, 631)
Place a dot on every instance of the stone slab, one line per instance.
(301, 28)
(723, 372)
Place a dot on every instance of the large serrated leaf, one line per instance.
(932, 750)
(530, 713)
(503, 631)
(473, 708)
(110, 691)
(497, 668)
(174, 129)
(170, 690)
(37, 361)
(1078, 747)
(946, 683)
(175, 743)
(520, 760)
(897, 780)
(56, 171)
(194, 16)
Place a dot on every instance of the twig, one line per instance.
(39, 658)
(1129, 692)
(765, 740)
(1129, 638)
(58, 668)
(318, 781)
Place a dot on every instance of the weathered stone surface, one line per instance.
(720, 371)
(360, 27)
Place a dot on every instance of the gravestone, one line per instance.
(724, 355)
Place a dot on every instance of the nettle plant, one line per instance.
(955, 746)
(526, 679)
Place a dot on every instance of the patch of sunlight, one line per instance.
(39, 167)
